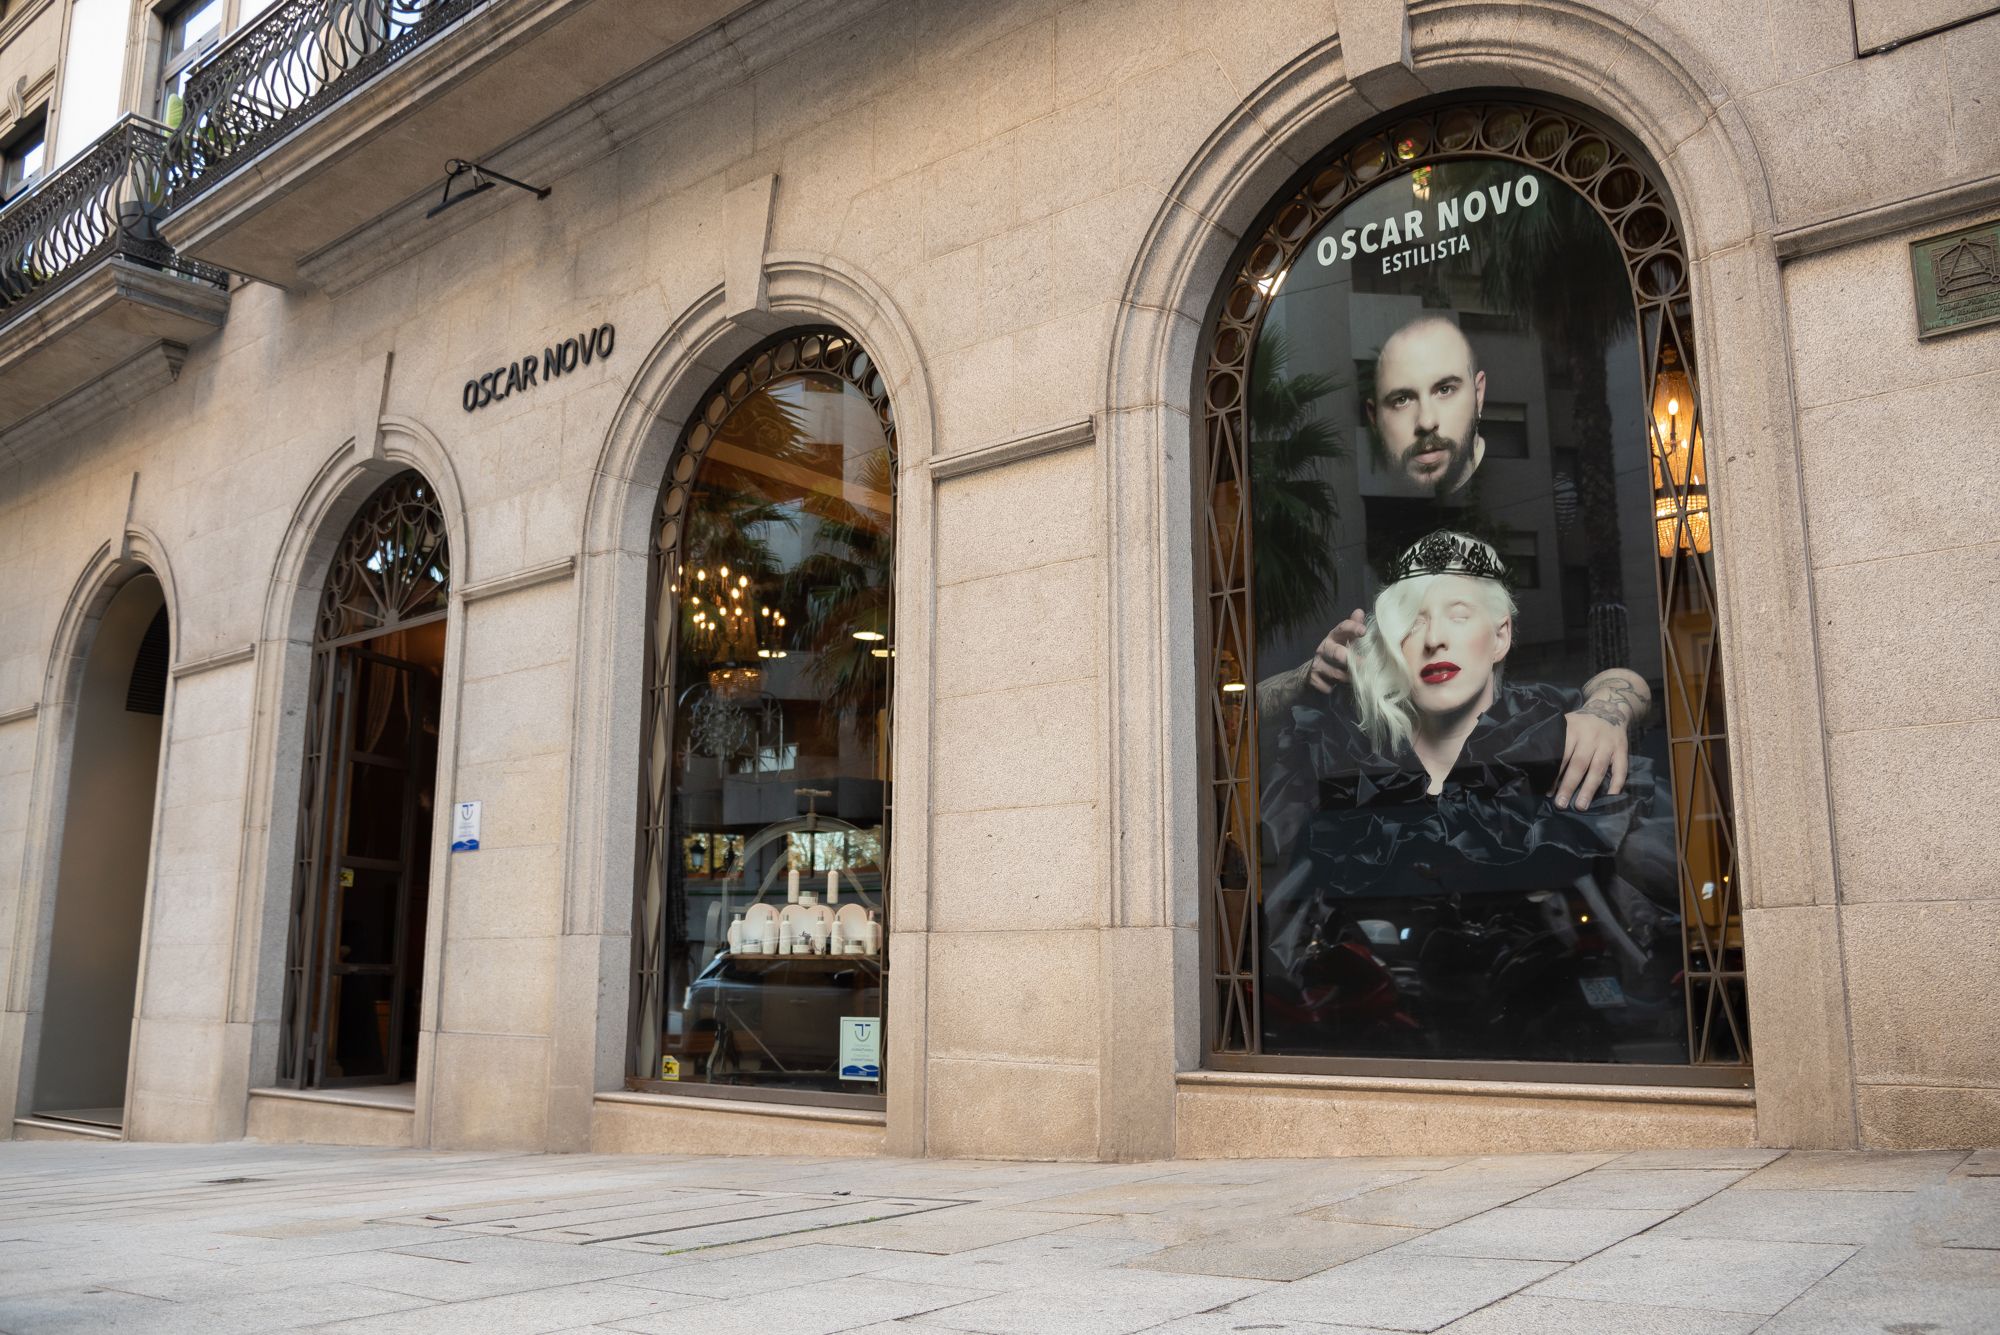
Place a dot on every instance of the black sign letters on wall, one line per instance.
(557, 359)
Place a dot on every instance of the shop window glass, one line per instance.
(1398, 701)
(763, 902)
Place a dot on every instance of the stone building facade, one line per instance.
(1027, 214)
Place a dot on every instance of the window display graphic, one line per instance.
(860, 1048)
(764, 898)
(1470, 644)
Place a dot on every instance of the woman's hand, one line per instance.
(1596, 742)
(1595, 752)
(1327, 667)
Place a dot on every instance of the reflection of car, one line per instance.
(773, 1017)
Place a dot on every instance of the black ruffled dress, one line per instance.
(1483, 919)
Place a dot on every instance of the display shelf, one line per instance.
(833, 959)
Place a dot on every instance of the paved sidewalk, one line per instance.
(235, 1238)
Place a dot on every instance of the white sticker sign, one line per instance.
(860, 1048)
(465, 827)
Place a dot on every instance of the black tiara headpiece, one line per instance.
(1447, 553)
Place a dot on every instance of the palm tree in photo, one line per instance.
(1294, 511)
(1544, 263)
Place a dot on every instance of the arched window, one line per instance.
(1457, 557)
(761, 913)
(354, 951)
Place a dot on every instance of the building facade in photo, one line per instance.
(1105, 580)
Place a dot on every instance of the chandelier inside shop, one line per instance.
(722, 627)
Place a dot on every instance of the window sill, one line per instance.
(389, 1098)
(1509, 1089)
(703, 1103)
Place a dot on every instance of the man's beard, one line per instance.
(1458, 461)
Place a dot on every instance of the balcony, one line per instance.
(323, 115)
(87, 285)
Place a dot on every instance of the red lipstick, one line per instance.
(1440, 671)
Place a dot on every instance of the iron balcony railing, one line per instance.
(107, 203)
(278, 73)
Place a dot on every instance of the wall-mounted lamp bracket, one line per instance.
(483, 178)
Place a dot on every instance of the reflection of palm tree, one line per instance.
(843, 587)
(727, 524)
(1294, 508)
(1544, 262)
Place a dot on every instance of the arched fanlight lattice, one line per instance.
(393, 564)
(1632, 207)
(722, 713)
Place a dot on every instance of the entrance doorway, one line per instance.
(361, 890)
(107, 841)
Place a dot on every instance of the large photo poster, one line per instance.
(1466, 818)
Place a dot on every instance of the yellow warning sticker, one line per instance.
(670, 1068)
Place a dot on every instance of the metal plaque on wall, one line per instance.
(1958, 279)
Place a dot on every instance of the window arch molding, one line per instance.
(1711, 163)
(796, 359)
(699, 342)
(1620, 187)
(346, 478)
(138, 552)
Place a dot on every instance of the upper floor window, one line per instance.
(193, 29)
(24, 158)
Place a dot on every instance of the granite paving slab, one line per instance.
(1524, 1314)
(1110, 1303)
(780, 1268)
(93, 1311)
(1796, 1216)
(1964, 1212)
(1461, 1191)
(531, 1313)
(1223, 1323)
(1279, 1250)
(1641, 1160)
(1848, 1170)
(1131, 1198)
(809, 1309)
(1425, 1203)
(1655, 1189)
(1397, 1290)
(1726, 1274)
(962, 1229)
(1900, 1288)
(1550, 1234)
(1025, 1263)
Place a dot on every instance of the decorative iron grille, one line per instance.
(392, 571)
(107, 203)
(299, 58)
(393, 566)
(1634, 209)
(824, 351)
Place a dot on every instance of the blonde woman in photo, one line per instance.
(1410, 819)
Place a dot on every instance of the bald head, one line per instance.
(1428, 393)
(1432, 333)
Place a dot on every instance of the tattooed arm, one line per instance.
(1597, 743)
(1617, 695)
